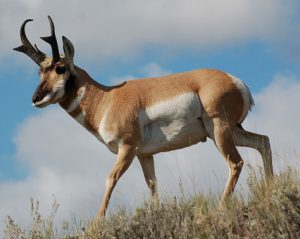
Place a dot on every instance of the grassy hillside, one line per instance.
(269, 211)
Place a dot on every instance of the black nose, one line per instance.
(36, 98)
(39, 93)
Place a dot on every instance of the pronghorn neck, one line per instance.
(83, 97)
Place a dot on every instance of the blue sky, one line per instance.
(252, 61)
(258, 41)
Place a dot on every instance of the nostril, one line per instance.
(36, 98)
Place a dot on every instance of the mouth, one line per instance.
(42, 103)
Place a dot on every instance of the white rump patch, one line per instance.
(246, 95)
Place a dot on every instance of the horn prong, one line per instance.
(52, 41)
(38, 50)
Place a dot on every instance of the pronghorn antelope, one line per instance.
(147, 116)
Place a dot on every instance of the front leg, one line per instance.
(125, 156)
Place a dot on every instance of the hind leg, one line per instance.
(260, 143)
(147, 164)
(221, 132)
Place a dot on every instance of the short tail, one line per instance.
(251, 100)
(246, 95)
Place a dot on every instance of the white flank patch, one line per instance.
(172, 108)
(172, 124)
(246, 95)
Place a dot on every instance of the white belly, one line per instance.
(172, 124)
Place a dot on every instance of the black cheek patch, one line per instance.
(69, 86)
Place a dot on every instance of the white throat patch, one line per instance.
(77, 100)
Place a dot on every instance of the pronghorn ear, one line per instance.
(69, 52)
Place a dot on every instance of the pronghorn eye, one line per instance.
(60, 70)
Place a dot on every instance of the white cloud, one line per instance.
(154, 70)
(150, 70)
(102, 29)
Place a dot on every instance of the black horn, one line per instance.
(26, 47)
(52, 41)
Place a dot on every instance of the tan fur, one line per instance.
(137, 95)
(148, 116)
(220, 98)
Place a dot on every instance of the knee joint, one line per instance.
(152, 183)
(237, 167)
(265, 144)
(110, 182)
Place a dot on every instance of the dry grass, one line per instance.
(269, 211)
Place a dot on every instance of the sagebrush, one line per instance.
(270, 210)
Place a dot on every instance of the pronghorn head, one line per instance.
(54, 71)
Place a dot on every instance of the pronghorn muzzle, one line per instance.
(41, 95)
